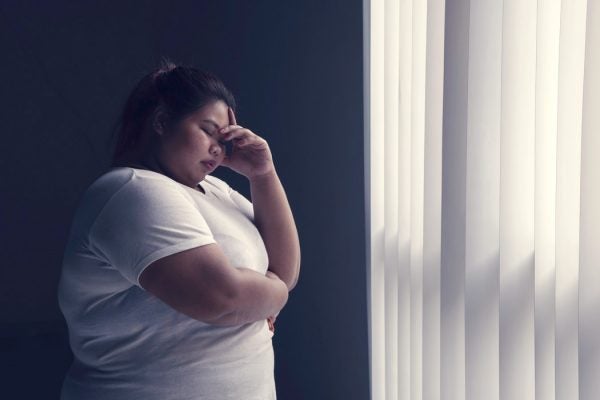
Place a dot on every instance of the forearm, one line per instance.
(275, 222)
(258, 297)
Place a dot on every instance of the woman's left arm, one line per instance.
(275, 222)
(273, 218)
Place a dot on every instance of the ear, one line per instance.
(159, 121)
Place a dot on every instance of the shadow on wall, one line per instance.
(34, 362)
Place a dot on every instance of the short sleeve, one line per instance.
(147, 219)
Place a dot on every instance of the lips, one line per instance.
(209, 164)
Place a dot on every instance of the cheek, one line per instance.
(176, 150)
(187, 147)
(191, 144)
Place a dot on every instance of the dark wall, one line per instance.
(296, 70)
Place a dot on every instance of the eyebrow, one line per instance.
(211, 122)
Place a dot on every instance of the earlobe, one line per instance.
(159, 120)
(158, 126)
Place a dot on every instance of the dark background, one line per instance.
(296, 69)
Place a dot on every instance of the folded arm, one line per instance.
(202, 284)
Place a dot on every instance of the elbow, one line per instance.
(292, 285)
(294, 281)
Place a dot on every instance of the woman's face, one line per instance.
(185, 150)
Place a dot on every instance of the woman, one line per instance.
(171, 279)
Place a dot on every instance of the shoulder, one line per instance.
(131, 185)
(120, 176)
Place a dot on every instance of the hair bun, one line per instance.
(166, 66)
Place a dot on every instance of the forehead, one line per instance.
(216, 111)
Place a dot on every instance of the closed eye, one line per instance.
(221, 142)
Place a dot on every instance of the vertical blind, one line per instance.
(482, 149)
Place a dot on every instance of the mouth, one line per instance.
(209, 164)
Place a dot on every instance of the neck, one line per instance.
(143, 161)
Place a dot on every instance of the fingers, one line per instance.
(232, 120)
(230, 128)
(240, 136)
(271, 324)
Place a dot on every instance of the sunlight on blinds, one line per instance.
(482, 163)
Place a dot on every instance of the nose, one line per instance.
(215, 149)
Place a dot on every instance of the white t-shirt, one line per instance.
(128, 344)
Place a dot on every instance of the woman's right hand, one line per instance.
(271, 322)
(271, 319)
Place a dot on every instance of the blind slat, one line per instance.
(589, 274)
(483, 201)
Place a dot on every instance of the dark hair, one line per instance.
(173, 90)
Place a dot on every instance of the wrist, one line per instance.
(265, 176)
